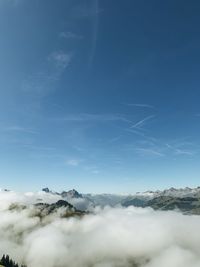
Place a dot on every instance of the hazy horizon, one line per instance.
(66, 188)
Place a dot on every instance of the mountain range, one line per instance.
(186, 200)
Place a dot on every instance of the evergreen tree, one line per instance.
(7, 262)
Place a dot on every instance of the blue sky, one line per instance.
(101, 96)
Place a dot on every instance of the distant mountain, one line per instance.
(188, 205)
(46, 190)
(71, 194)
(105, 199)
(55, 206)
(62, 208)
(67, 210)
(137, 202)
(185, 199)
(180, 192)
(79, 201)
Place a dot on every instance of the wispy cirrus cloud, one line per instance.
(139, 105)
(160, 149)
(42, 82)
(60, 59)
(182, 148)
(70, 35)
(19, 129)
(115, 139)
(184, 152)
(39, 148)
(140, 123)
(149, 152)
(135, 132)
(90, 117)
(92, 169)
(89, 11)
(152, 147)
(73, 162)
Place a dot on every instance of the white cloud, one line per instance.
(112, 237)
(7, 198)
(60, 59)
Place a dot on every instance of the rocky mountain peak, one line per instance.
(71, 194)
(46, 189)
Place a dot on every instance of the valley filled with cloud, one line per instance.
(103, 237)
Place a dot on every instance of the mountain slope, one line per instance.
(189, 205)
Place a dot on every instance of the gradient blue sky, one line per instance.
(101, 96)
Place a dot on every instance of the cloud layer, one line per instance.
(107, 237)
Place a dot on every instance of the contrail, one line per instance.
(141, 122)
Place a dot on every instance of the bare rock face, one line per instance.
(71, 194)
(65, 208)
(46, 190)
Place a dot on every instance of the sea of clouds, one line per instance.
(108, 237)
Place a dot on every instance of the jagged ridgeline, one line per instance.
(6, 261)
